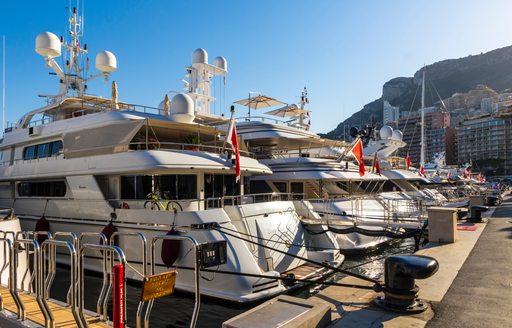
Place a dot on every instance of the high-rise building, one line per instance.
(390, 113)
(438, 135)
(487, 140)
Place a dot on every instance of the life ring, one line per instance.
(42, 225)
(170, 249)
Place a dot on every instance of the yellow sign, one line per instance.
(158, 285)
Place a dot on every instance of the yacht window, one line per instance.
(55, 147)
(390, 186)
(42, 150)
(296, 187)
(260, 187)
(219, 185)
(42, 189)
(169, 186)
(281, 186)
(28, 152)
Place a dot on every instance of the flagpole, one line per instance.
(347, 150)
(232, 110)
(3, 84)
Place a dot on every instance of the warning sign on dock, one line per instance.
(158, 285)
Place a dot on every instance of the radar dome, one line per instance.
(106, 62)
(48, 45)
(397, 134)
(200, 56)
(182, 108)
(221, 62)
(386, 132)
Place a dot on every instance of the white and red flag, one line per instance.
(376, 164)
(232, 139)
(422, 170)
(357, 151)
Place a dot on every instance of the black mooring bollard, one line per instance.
(400, 290)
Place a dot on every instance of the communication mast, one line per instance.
(73, 76)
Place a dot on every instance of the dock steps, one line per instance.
(62, 314)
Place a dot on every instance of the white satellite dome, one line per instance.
(182, 109)
(220, 62)
(397, 134)
(386, 132)
(48, 45)
(106, 62)
(200, 56)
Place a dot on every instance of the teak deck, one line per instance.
(63, 316)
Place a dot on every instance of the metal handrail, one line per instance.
(164, 145)
(8, 252)
(101, 307)
(6, 257)
(36, 249)
(43, 293)
(144, 247)
(52, 260)
(74, 240)
(197, 259)
(81, 277)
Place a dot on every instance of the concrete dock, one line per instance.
(473, 287)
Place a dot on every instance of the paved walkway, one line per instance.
(481, 295)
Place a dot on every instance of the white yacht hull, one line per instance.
(276, 223)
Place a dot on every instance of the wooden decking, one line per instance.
(63, 316)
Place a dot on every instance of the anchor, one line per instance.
(400, 290)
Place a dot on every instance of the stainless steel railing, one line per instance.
(44, 255)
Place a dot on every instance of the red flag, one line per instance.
(377, 165)
(449, 176)
(408, 161)
(422, 170)
(232, 139)
(357, 151)
(464, 175)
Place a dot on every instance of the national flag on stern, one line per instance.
(357, 151)
(232, 139)
(422, 170)
(408, 161)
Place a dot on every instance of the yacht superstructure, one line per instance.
(83, 163)
(321, 171)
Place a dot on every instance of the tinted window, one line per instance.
(42, 150)
(28, 153)
(169, 186)
(42, 189)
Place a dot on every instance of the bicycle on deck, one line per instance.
(155, 202)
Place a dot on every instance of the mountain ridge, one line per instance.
(445, 77)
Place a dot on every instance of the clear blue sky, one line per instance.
(343, 51)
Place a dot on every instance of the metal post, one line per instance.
(197, 264)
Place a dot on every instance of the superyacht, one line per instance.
(87, 164)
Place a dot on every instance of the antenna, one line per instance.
(3, 84)
(73, 76)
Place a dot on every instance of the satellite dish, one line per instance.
(48, 45)
(106, 62)
(386, 132)
(200, 56)
(182, 108)
(353, 132)
(221, 63)
(397, 134)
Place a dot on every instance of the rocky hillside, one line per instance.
(493, 69)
